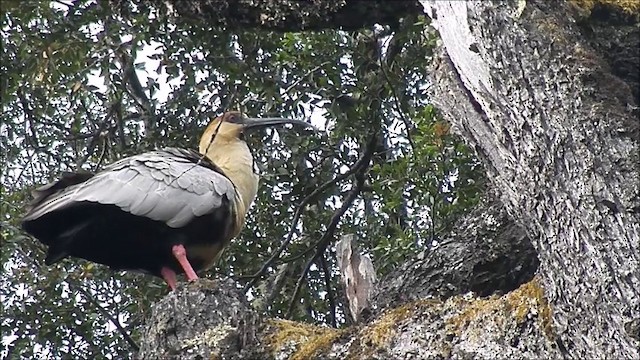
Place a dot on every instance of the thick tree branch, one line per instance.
(283, 15)
(489, 252)
(486, 253)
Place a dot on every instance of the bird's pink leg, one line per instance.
(181, 254)
(169, 276)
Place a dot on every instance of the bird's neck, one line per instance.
(237, 164)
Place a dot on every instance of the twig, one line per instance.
(94, 141)
(300, 254)
(30, 116)
(396, 102)
(106, 314)
(249, 52)
(137, 92)
(16, 181)
(81, 136)
(102, 155)
(122, 141)
(295, 83)
(63, 3)
(327, 285)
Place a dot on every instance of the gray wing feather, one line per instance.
(183, 216)
(165, 185)
(142, 206)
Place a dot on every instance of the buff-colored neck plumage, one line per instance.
(233, 156)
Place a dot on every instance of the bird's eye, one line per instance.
(232, 118)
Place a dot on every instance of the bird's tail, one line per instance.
(58, 249)
(48, 196)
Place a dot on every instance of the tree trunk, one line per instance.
(559, 134)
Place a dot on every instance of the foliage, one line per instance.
(81, 88)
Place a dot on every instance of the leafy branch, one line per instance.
(358, 170)
(363, 161)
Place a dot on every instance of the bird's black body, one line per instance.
(115, 228)
(107, 235)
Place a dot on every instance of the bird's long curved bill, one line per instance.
(260, 123)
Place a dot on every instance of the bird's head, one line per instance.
(232, 126)
(223, 143)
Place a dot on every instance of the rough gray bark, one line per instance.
(487, 253)
(199, 319)
(559, 134)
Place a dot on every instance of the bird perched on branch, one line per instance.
(162, 212)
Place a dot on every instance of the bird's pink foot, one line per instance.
(181, 254)
(169, 276)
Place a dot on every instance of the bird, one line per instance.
(163, 212)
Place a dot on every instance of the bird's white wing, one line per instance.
(170, 185)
